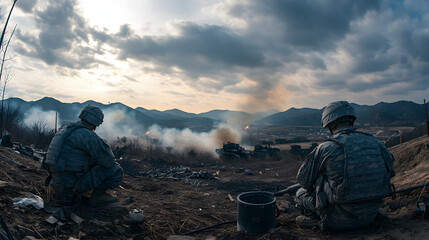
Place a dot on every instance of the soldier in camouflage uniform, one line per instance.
(344, 179)
(80, 161)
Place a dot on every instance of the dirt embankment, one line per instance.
(411, 163)
(173, 205)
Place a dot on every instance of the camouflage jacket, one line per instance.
(324, 167)
(76, 148)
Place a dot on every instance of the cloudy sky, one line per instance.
(226, 54)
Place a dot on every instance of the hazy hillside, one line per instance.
(389, 114)
(156, 114)
(294, 117)
(225, 115)
(179, 113)
(398, 113)
(138, 119)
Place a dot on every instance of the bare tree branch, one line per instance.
(4, 57)
(7, 21)
(8, 75)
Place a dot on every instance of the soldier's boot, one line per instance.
(100, 197)
(307, 222)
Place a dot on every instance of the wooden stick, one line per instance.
(213, 216)
(40, 235)
(171, 229)
(37, 191)
(231, 198)
(181, 227)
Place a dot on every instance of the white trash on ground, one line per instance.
(29, 199)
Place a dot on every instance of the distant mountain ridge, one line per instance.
(401, 113)
(392, 114)
(173, 118)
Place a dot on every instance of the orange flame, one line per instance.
(247, 127)
(147, 133)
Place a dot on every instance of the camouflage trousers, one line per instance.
(69, 184)
(306, 201)
(337, 216)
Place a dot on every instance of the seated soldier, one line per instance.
(345, 178)
(80, 161)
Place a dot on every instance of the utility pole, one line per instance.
(426, 113)
(56, 119)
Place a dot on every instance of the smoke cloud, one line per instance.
(182, 140)
(44, 119)
(120, 123)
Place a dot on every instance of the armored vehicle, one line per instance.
(233, 151)
(266, 152)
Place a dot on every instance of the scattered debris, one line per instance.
(18, 164)
(248, 171)
(29, 199)
(63, 215)
(24, 150)
(52, 220)
(3, 184)
(201, 174)
(231, 198)
(179, 173)
(136, 215)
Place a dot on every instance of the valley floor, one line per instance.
(174, 205)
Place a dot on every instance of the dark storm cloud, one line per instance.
(207, 46)
(26, 5)
(59, 40)
(307, 24)
(210, 56)
(125, 31)
(383, 48)
(342, 45)
(421, 44)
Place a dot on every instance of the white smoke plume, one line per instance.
(36, 116)
(119, 123)
(182, 140)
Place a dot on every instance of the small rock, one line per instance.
(136, 215)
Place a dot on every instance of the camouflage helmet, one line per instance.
(336, 110)
(92, 115)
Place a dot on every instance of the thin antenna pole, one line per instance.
(426, 113)
(56, 120)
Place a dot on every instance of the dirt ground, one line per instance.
(175, 205)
